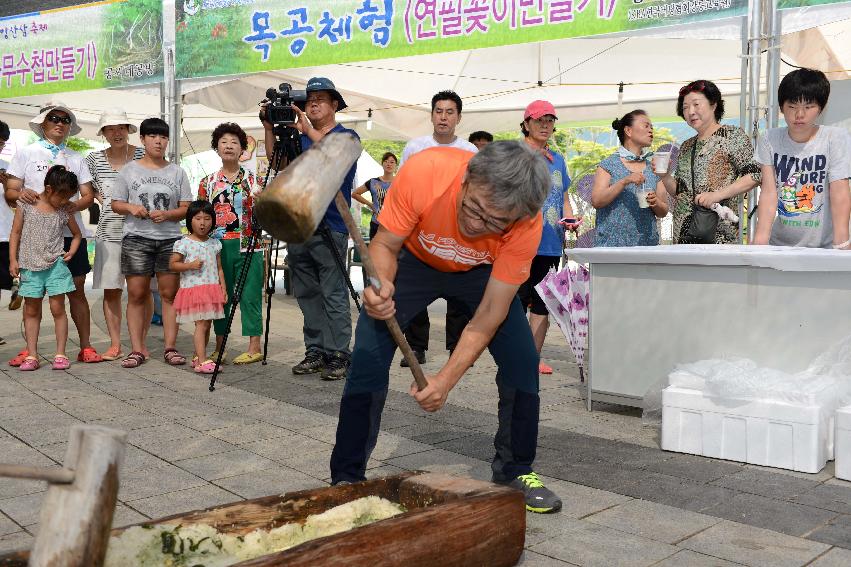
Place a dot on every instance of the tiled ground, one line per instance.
(264, 431)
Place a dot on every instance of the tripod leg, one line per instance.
(234, 303)
(272, 272)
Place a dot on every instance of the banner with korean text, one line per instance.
(225, 37)
(104, 44)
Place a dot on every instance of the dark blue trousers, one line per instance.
(417, 286)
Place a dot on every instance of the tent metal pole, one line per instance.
(743, 108)
(755, 80)
(775, 38)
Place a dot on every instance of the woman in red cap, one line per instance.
(538, 127)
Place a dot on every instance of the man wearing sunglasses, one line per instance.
(54, 124)
(461, 227)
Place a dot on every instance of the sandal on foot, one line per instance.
(544, 368)
(61, 362)
(112, 353)
(89, 355)
(173, 357)
(206, 367)
(133, 360)
(29, 363)
(248, 358)
(19, 358)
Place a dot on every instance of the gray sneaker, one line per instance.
(539, 498)
(336, 366)
(314, 361)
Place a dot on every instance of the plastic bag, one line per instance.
(825, 382)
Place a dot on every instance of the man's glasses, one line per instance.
(56, 119)
(318, 100)
(545, 120)
(696, 86)
(490, 224)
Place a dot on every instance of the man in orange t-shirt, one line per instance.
(462, 227)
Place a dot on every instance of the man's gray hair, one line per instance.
(518, 177)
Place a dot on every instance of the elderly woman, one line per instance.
(715, 166)
(232, 190)
(538, 127)
(104, 166)
(54, 123)
(627, 194)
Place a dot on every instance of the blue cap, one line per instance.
(324, 84)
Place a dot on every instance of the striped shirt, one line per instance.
(111, 225)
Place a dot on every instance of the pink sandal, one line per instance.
(61, 362)
(30, 363)
(206, 367)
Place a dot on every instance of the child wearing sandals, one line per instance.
(202, 294)
(153, 195)
(37, 256)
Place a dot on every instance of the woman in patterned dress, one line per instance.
(719, 159)
(627, 194)
(231, 190)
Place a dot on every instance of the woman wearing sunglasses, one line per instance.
(54, 123)
(715, 166)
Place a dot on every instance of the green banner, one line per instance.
(104, 44)
(225, 37)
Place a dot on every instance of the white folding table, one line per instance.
(654, 307)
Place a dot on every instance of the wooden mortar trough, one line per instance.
(450, 522)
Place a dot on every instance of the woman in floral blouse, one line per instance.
(720, 156)
(231, 190)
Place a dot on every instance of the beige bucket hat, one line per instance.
(46, 108)
(115, 117)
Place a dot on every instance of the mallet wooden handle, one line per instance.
(52, 475)
(369, 269)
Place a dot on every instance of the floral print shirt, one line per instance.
(719, 160)
(233, 201)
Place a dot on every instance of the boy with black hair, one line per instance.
(154, 194)
(805, 171)
(480, 138)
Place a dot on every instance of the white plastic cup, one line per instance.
(641, 194)
(661, 161)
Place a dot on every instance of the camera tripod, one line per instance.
(287, 144)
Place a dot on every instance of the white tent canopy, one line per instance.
(579, 76)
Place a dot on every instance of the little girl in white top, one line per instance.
(202, 294)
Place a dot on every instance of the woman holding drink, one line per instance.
(627, 193)
(715, 166)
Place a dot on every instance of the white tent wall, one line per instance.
(579, 76)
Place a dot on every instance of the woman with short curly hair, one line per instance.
(231, 190)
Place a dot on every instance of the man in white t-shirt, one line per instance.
(54, 123)
(445, 116)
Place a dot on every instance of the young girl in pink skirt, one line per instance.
(202, 294)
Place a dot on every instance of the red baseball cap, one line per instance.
(538, 108)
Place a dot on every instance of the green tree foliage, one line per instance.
(377, 148)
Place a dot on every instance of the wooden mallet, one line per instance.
(77, 510)
(293, 204)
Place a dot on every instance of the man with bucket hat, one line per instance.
(53, 124)
(318, 283)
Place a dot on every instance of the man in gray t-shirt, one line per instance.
(803, 173)
(159, 189)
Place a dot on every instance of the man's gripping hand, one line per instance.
(379, 304)
(433, 396)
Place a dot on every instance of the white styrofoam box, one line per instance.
(760, 432)
(843, 443)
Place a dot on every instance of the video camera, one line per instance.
(279, 112)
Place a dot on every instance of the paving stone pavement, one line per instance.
(265, 431)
